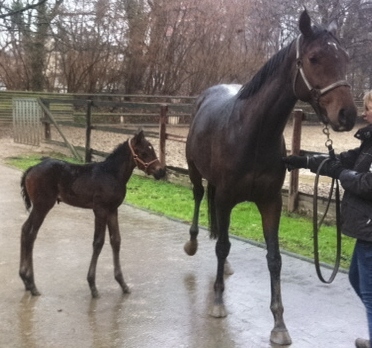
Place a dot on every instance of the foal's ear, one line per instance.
(332, 27)
(305, 24)
(139, 135)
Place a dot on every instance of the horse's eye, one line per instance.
(313, 60)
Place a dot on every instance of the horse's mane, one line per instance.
(271, 66)
(252, 87)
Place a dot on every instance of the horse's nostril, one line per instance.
(347, 117)
(160, 173)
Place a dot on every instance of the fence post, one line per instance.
(47, 130)
(298, 116)
(162, 132)
(88, 130)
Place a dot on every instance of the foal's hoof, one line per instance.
(126, 290)
(191, 247)
(33, 290)
(95, 293)
(280, 337)
(218, 311)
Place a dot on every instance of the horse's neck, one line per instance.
(267, 112)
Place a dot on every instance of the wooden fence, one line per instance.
(93, 111)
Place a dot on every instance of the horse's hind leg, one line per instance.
(198, 190)
(223, 245)
(100, 223)
(28, 236)
(270, 213)
(115, 241)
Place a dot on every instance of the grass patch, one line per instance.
(176, 201)
(296, 232)
(25, 161)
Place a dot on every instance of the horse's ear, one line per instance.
(332, 27)
(305, 24)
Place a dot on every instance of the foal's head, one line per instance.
(144, 156)
(321, 65)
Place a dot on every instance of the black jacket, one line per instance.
(356, 207)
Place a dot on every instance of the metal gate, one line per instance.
(27, 115)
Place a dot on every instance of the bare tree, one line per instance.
(163, 46)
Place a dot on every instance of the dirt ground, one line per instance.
(312, 139)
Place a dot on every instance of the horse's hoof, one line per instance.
(280, 337)
(191, 247)
(218, 311)
(228, 270)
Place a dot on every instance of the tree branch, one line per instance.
(28, 7)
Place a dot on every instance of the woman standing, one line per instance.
(354, 170)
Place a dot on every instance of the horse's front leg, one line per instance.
(198, 191)
(100, 222)
(222, 251)
(115, 241)
(270, 213)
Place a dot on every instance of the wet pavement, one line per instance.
(171, 292)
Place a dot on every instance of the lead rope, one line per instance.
(317, 225)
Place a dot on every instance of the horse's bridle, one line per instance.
(137, 160)
(315, 93)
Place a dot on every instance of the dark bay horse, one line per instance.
(98, 186)
(236, 143)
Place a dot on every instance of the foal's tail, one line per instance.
(211, 192)
(24, 193)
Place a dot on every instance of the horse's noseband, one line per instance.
(137, 160)
(315, 93)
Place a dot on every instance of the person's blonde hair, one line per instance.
(367, 98)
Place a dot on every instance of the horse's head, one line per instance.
(321, 65)
(144, 156)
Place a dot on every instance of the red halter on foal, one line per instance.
(137, 160)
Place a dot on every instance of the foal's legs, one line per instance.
(115, 241)
(28, 236)
(270, 213)
(198, 190)
(100, 222)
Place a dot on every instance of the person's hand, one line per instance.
(315, 161)
(308, 162)
(331, 168)
(295, 162)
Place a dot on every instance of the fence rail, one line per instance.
(92, 112)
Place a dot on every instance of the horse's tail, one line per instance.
(24, 193)
(211, 192)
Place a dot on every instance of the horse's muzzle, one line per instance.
(159, 173)
(347, 117)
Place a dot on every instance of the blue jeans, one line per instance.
(360, 277)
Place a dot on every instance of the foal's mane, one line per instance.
(271, 66)
(118, 155)
(121, 149)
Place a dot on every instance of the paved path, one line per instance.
(171, 292)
